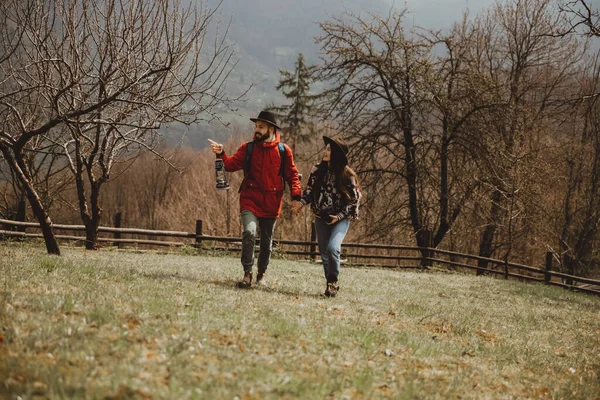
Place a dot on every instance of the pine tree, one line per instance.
(297, 118)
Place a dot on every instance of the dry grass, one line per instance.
(111, 324)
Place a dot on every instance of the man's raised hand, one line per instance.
(216, 148)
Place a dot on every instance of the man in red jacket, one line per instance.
(262, 190)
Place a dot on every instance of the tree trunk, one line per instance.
(487, 238)
(422, 233)
(92, 222)
(569, 265)
(424, 239)
(91, 235)
(92, 229)
(90, 218)
(19, 167)
(444, 191)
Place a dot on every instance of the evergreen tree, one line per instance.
(296, 118)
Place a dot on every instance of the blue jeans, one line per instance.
(266, 225)
(330, 239)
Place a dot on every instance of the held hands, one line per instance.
(216, 148)
(296, 207)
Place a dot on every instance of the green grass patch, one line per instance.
(118, 324)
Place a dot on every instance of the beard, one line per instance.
(259, 137)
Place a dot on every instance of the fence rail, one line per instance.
(507, 269)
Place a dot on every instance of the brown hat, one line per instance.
(268, 117)
(339, 149)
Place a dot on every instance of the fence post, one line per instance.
(198, 243)
(20, 216)
(548, 268)
(313, 239)
(117, 235)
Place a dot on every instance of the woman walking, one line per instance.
(333, 193)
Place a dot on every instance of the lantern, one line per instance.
(220, 174)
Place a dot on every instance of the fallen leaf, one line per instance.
(40, 387)
(133, 321)
(490, 337)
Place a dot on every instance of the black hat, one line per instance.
(339, 149)
(268, 117)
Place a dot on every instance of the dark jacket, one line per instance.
(328, 199)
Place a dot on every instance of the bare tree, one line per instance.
(372, 70)
(403, 99)
(578, 221)
(525, 71)
(19, 121)
(580, 13)
(106, 74)
(48, 173)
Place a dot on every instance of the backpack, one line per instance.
(250, 149)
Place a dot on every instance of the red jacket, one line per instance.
(262, 190)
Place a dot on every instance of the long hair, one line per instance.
(343, 181)
(343, 178)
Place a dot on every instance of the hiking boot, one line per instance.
(260, 279)
(246, 282)
(332, 289)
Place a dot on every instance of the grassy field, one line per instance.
(116, 325)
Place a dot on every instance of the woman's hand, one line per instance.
(334, 219)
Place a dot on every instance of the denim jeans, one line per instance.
(330, 239)
(266, 226)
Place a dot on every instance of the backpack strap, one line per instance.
(282, 164)
(249, 150)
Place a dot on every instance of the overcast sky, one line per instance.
(440, 13)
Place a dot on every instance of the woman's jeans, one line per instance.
(266, 225)
(330, 239)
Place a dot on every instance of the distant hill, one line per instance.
(268, 35)
(273, 32)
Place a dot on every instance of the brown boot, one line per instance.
(332, 289)
(260, 279)
(247, 281)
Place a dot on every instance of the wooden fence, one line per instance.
(378, 255)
